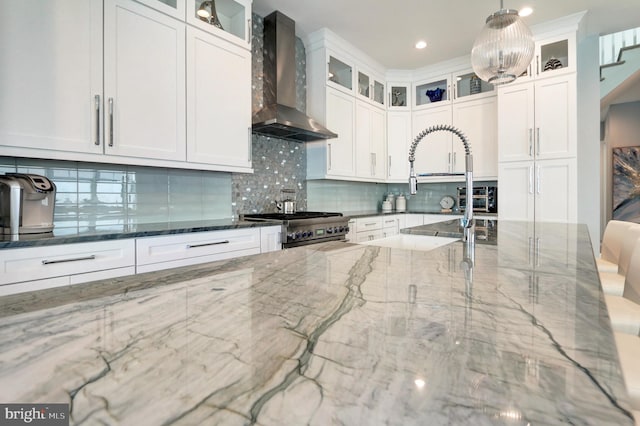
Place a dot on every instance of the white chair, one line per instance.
(629, 353)
(613, 282)
(624, 311)
(611, 245)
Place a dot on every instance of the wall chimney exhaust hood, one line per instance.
(279, 118)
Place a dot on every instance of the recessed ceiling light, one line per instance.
(525, 11)
(421, 44)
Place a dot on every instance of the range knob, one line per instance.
(291, 236)
(329, 230)
(298, 234)
(341, 229)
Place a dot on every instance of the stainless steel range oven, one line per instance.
(302, 228)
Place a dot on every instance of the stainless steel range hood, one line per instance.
(279, 117)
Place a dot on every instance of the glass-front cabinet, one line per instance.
(555, 55)
(399, 96)
(468, 85)
(370, 87)
(432, 91)
(229, 19)
(339, 74)
(173, 8)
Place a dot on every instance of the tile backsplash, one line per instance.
(91, 196)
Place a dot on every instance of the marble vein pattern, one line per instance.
(331, 334)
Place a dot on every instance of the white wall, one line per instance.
(588, 82)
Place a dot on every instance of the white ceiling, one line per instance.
(387, 30)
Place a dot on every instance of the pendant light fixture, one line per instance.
(504, 48)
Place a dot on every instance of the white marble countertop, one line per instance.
(331, 334)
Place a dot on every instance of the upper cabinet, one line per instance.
(51, 81)
(231, 19)
(173, 8)
(432, 91)
(339, 73)
(399, 96)
(105, 81)
(144, 117)
(467, 86)
(370, 88)
(553, 55)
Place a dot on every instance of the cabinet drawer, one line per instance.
(34, 263)
(389, 222)
(369, 236)
(198, 247)
(368, 223)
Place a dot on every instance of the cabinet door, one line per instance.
(516, 194)
(51, 61)
(144, 82)
(555, 116)
(233, 15)
(433, 154)
(516, 117)
(340, 119)
(378, 142)
(556, 191)
(477, 119)
(398, 142)
(218, 101)
(364, 155)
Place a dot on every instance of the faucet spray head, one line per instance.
(413, 181)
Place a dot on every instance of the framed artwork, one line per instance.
(626, 184)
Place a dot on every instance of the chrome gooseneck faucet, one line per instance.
(468, 223)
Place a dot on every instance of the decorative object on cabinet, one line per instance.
(552, 64)
(503, 49)
(207, 13)
(435, 95)
(626, 184)
(475, 85)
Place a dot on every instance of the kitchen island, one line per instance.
(514, 332)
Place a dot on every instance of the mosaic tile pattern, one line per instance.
(278, 164)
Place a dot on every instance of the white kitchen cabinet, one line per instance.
(335, 158)
(538, 119)
(170, 251)
(370, 87)
(51, 85)
(270, 238)
(478, 120)
(369, 228)
(351, 235)
(390, 226)
(399, 138)
(468, 86)
(370, 141)
(435, 152)
(424, 91)
(539, 191)
(35, 268)
(412, 220)
(173, 8)
(398, 96)
(234, 17)
(144, 82)
(218, 102)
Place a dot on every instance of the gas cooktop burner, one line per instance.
(304, 228)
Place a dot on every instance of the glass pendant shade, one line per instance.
(504, 48)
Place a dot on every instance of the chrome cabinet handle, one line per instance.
(538, 141)
(537, 251)
(453, 169)
(73, 259)
(538, 180)
(216, 243)
(537, 65)
(329, 146)
(249, 31)
(389, 171)
(97, 101)
(449, 163)
(530, 179)
(110, 121)
(530, 142)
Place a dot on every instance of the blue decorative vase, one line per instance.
(435, 95)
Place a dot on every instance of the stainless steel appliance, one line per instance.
(485, 198)
(27, 202)
(302, 228)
